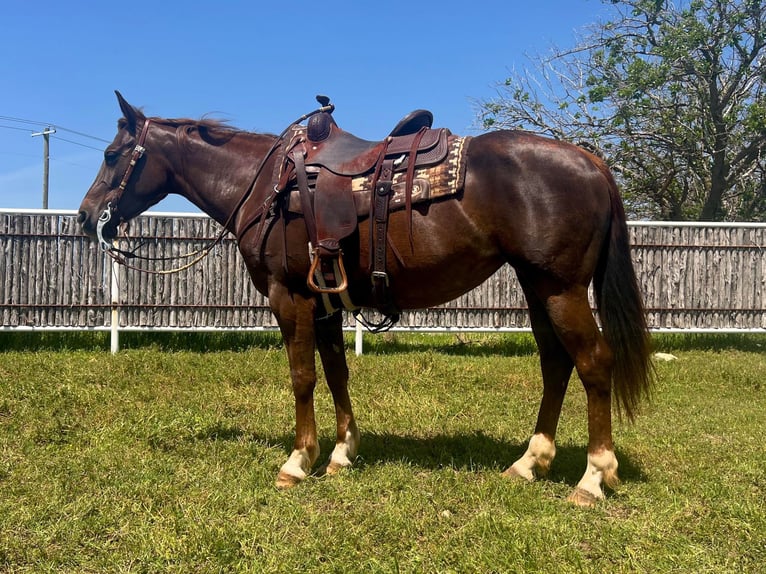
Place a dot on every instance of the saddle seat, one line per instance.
(345, 154)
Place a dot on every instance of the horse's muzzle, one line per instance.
(88, 226)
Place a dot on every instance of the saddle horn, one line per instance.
(324, 101)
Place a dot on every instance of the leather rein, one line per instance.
(122, 256)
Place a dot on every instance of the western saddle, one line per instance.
(321, 160)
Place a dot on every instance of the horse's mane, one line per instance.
(213, 131)
(205, 124)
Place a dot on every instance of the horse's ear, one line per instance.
(132, 115)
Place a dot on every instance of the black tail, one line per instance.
(621, 310)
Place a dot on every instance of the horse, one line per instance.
(550, 209)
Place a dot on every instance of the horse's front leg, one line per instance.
(331, 350)
(295, 316)
(556, 366)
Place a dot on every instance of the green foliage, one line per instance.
(673, 94)
(164, 461)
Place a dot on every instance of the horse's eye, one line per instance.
(111, 156)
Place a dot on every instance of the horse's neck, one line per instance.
(216, 178)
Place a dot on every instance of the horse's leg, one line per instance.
(570, 313)
(295, 316)
(556, 366)
(332, 353)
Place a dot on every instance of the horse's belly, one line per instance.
(427, 287)
(447, 256)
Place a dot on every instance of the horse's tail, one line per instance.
(621, 311)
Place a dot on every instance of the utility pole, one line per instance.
(46, 133)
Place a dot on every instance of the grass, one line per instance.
(163, 457)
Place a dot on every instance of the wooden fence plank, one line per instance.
(709, 277)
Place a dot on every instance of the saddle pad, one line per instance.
(445, 178)
(441, 180)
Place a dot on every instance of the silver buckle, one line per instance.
(379, 275)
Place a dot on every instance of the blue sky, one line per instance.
(257, 64)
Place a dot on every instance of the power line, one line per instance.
(23, 121)
(77, 143)
(80, 134)
(58, 138)
(47, 130)
(15, 128)
(56, 126)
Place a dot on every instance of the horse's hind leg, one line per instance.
(556, 366)
(571, 316)
(332, 353)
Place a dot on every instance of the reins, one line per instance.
(121, 256)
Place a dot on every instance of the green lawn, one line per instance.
(159, 459)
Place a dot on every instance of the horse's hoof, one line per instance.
(513, 473)
(331, 468)
(285, 481)
(335, 467)
(582, 498)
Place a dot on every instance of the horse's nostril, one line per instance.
(81, 217)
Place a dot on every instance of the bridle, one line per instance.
(106, 215)
(121, 256)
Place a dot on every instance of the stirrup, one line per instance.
(310, 281)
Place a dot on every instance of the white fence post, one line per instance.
(358, 339)
(114, 271)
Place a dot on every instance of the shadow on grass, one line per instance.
(453, 344)
(458, 345)
(99, 341)
(467, 452)
(476, 451)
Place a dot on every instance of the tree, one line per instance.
(673, 96)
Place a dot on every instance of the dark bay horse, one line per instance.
(550, 209)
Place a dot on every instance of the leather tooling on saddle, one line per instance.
(334, 179)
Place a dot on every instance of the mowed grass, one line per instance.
(163, 460)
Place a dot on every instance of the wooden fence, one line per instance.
(695, 277)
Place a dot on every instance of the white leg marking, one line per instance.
(298, 465)
(536, 460)
(344, 453)
(601, 466)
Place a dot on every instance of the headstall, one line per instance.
(106, 215)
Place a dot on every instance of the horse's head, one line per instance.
(130, 180)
